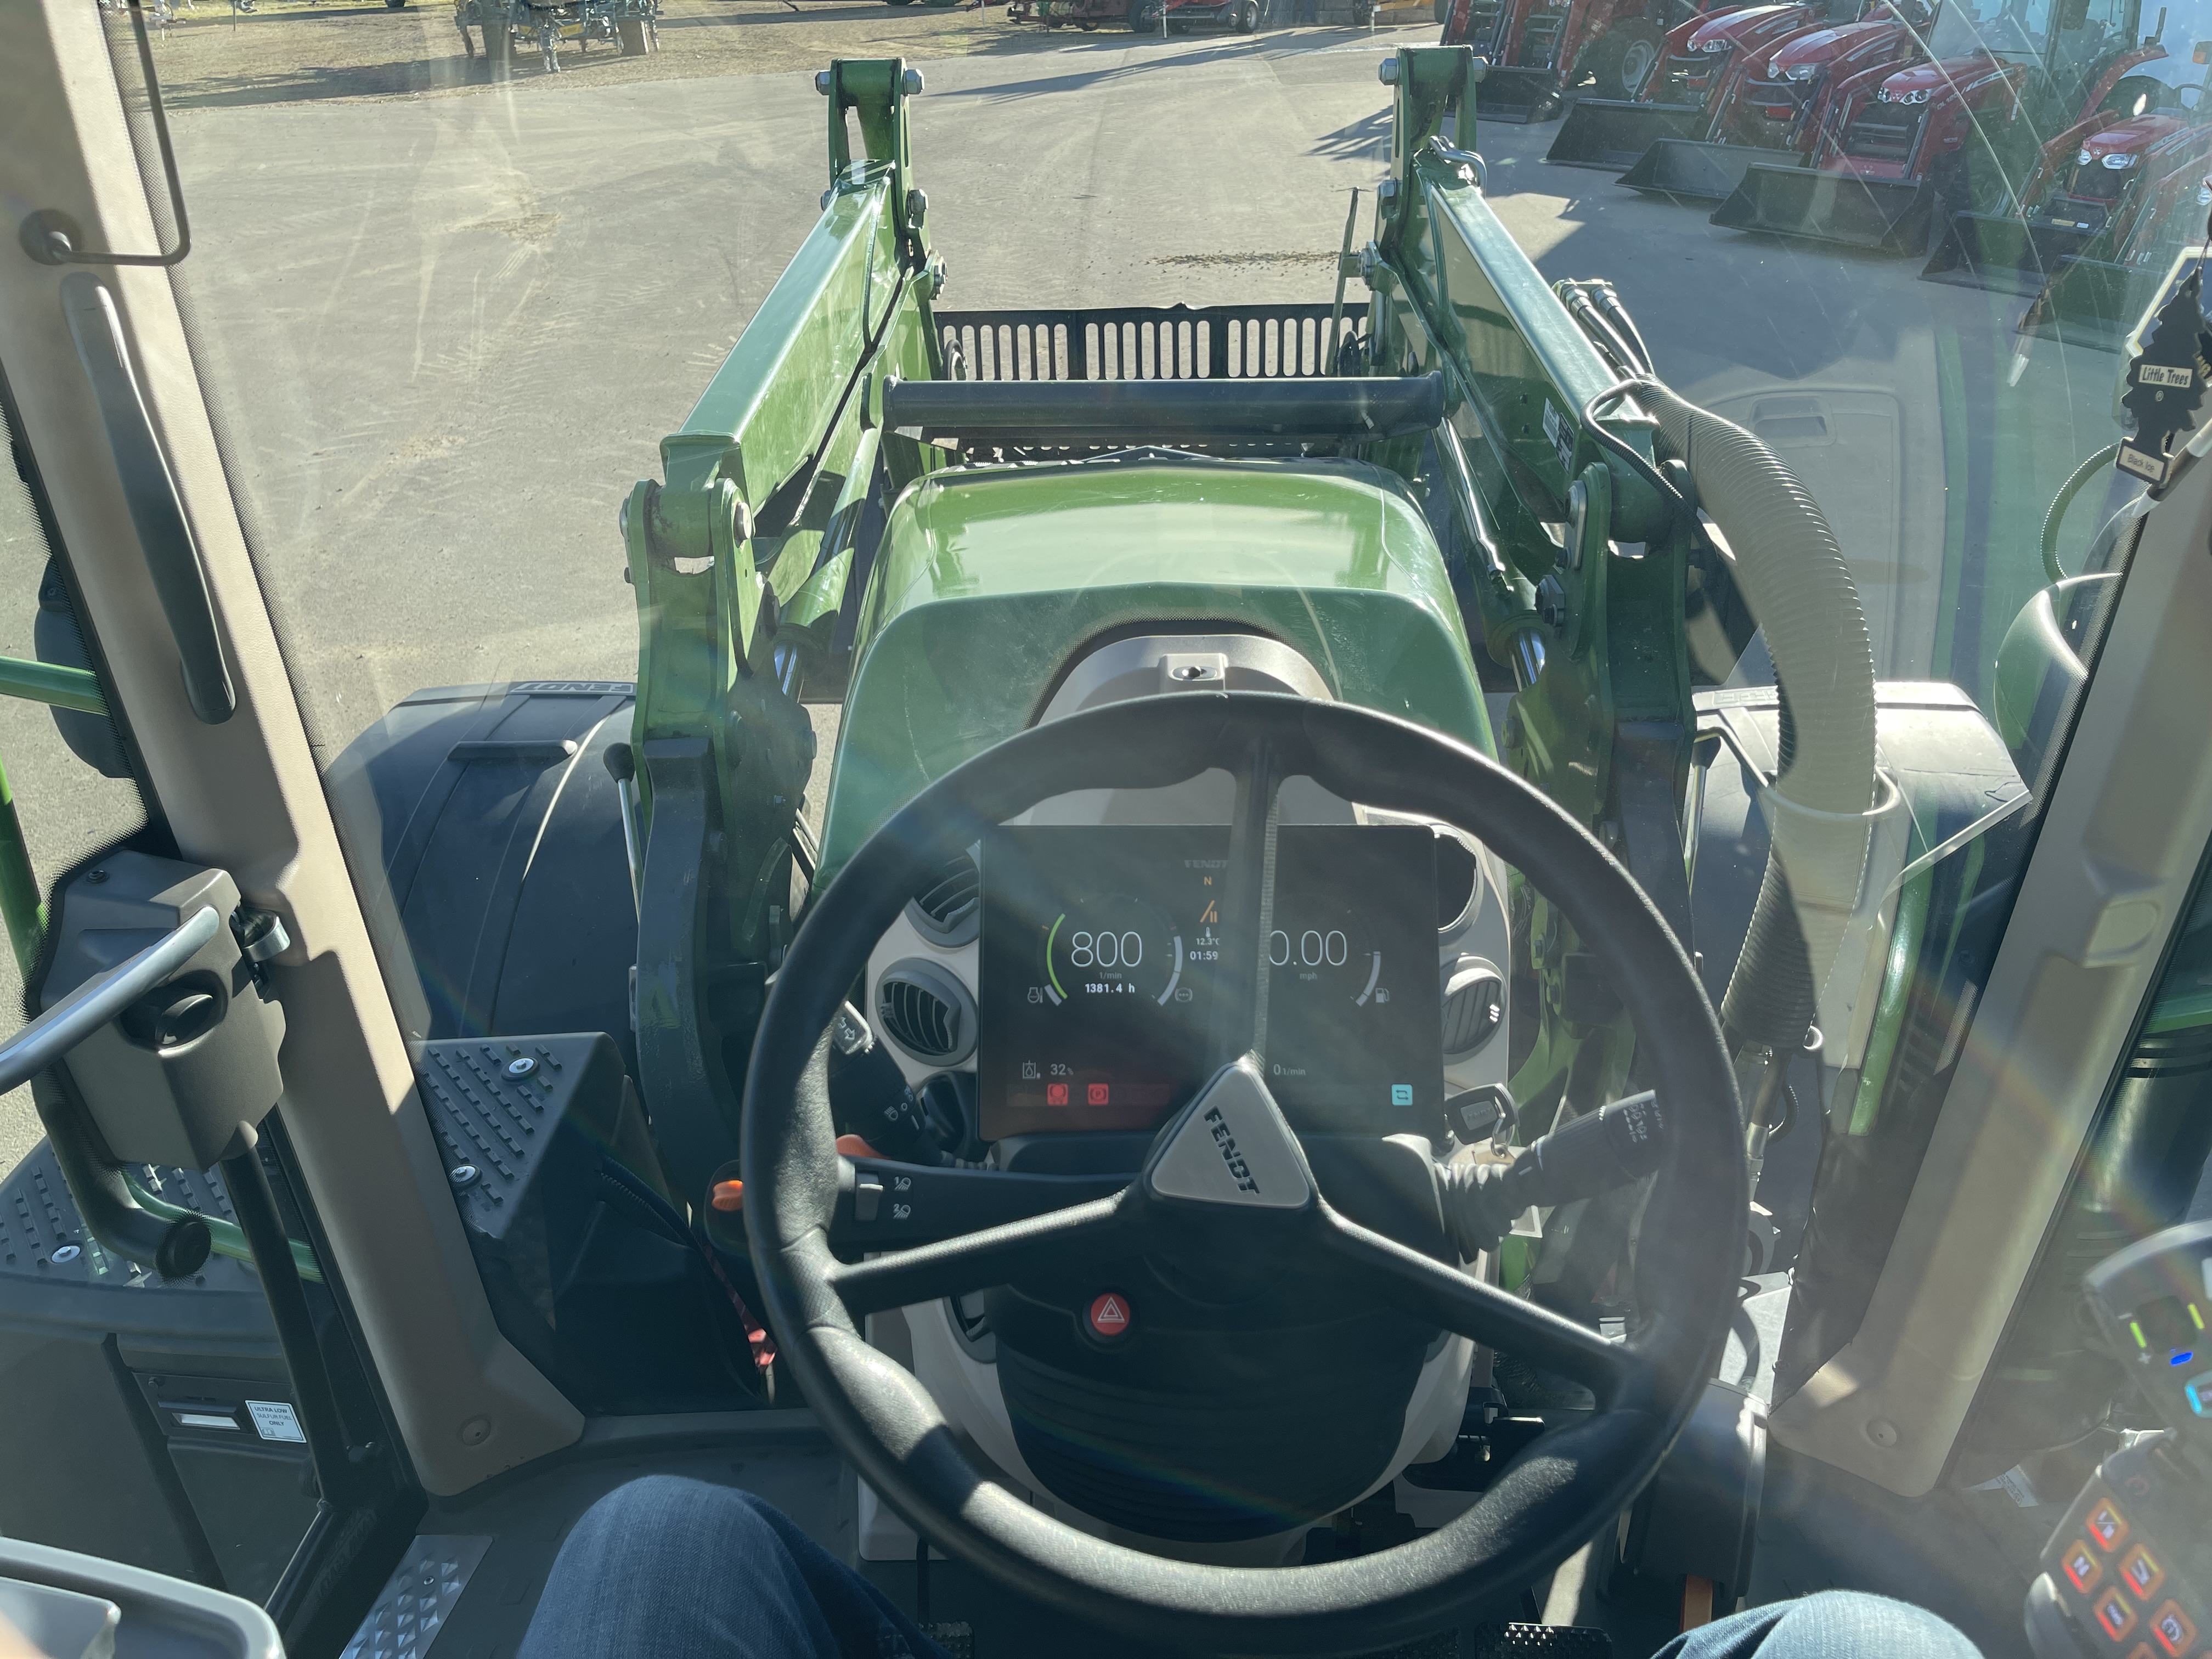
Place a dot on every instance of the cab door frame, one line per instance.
(2110, 878)
(246, 795)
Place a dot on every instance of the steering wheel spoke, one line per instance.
(1432, 1290)
(975, 1262)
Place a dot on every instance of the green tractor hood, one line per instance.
(992, 583)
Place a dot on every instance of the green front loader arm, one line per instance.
(742, 555)
(1578, 560)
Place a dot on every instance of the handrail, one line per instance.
(224, 1237)
(50, 1036)
(150, 491)
(21, 910)
(53, 684)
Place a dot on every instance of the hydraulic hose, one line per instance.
(1791, 569)
(2064, 499)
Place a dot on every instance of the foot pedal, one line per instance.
(1541, 1642)
(956, 1637)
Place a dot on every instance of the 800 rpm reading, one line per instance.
(1100, 949)
(1113, 947)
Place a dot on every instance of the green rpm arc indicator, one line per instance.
(1118, 946)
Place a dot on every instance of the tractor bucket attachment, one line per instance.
(1517, 96)
(1612, 132)
(1700, 173)
(2002, 251)
(1889, 215)
(2090, 303)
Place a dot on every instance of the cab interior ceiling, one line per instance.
(524, 834)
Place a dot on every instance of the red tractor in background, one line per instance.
(1537, 50)
(1961, 130)
(1679, 100)
(1751, 86)
(2104, 188)
(2098, 297)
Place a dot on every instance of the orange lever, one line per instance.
(729, 1195)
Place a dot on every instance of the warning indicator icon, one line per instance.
(1109, 1316)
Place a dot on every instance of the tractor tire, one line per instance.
(394, 5)
(1627, 58)
(1145, 15)
(631, 31)
(898, 2)
(1245, 20)
(1442, 10)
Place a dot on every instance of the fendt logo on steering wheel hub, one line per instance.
(1238, 1169)
(1232, 1146)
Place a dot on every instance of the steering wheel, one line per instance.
(1566, 1488)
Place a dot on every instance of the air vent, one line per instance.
(927, 1011)
(946, 911)
(1474, 1008)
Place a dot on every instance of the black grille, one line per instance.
(946, 910)
(1885, 132)
(1697, 71)
(1777, 94)
(918, 1020)
(2098, 183)
(1144, 342)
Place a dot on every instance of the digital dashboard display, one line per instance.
(1102, 949)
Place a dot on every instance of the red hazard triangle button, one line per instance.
(1109, 1316)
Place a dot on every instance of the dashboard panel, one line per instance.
(925, 992)
(1102, 953)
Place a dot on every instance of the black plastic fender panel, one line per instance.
(489, 815)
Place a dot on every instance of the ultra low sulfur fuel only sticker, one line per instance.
(273, 1419)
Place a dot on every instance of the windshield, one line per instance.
(2024, 29)
(671, 435)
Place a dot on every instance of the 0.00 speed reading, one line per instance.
(1313, 949)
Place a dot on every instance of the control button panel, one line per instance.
(2131, 1562)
